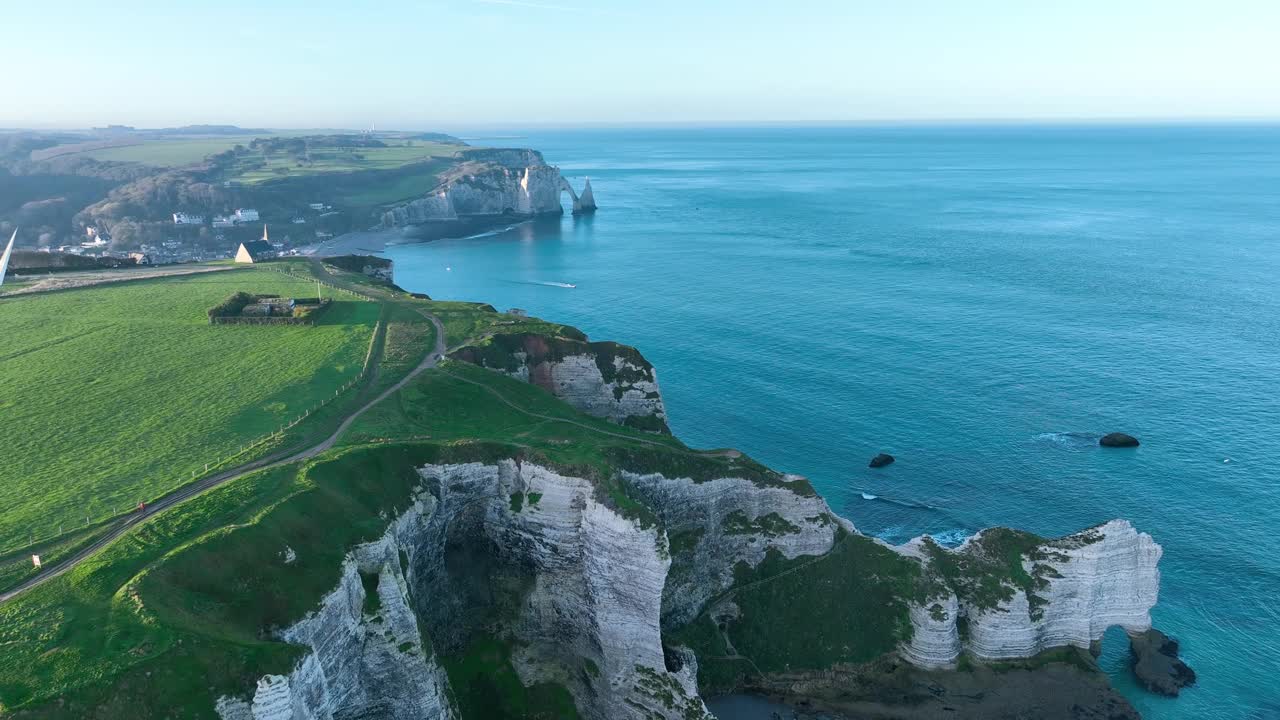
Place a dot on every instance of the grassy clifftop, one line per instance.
(179, 610)
(184, 607)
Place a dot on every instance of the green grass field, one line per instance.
(175, 611)
(398, 187)
(256, 168)
(169, 153)
(135, 380)
(180, 609)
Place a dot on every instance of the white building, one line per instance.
(224, 221)
(185, 219)
(246, 215)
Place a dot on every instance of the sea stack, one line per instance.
(585, 204)
(1117, 439)
(1156, 663)
(881, 460)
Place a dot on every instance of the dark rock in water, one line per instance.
(1156, 663)
(881, 460)
(1118, 440)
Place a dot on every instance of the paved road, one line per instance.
(189, 491)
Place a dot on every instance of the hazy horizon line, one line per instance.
(692, 124)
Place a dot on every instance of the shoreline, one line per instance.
(366, 242)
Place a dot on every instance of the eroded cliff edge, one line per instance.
(602, 379)
(497, 183)
(483, 549)
(630, 590)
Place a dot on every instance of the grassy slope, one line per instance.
(334, 160)
(859, 590)
(219, 593)
(134, 378)
(176, 612)
(393, 188)
(170, 153)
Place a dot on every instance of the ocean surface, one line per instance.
(981, 302)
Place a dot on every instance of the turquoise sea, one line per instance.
(980, 301)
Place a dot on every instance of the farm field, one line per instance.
(396, 187)
(255, 169)
(169, 153)
(135, 379)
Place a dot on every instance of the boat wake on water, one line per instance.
(894, 501)
(544, 283)
(1069, 440)
(491, 233)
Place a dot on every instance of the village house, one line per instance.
(180, 218)
(256, 251)
(246, 215)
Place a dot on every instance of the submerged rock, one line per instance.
(1156, 663)
(881, 460)
(1117, 439)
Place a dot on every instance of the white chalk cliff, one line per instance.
(602, 379)
(598, 585)
(1103, 577)
(361, 664)
(589, 621)
(489, 182)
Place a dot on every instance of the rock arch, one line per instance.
(583, 204)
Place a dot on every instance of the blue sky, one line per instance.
(457, 64)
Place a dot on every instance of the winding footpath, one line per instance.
(280, 458)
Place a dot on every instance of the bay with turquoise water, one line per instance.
(982, 302)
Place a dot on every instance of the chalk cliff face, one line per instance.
(603, 379)
(718, 523)
(587, 616)
(367, 657)
(1089, 581)
(595, 588)
(496, 182)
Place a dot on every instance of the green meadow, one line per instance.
(114, 395)
(180, 609)
(257, 168)
(169, 153)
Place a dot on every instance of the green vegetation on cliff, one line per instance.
(186, 606)
(181, 609)
(860, 589)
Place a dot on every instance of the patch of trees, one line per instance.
(47, 204)
(18, 145)
(156, 197)
(30, 262)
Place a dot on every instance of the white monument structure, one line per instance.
(4, 259)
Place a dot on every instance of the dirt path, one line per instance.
(69, 280)
(280, 458)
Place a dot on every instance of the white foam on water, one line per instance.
(951, 538)
(1076, 441)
